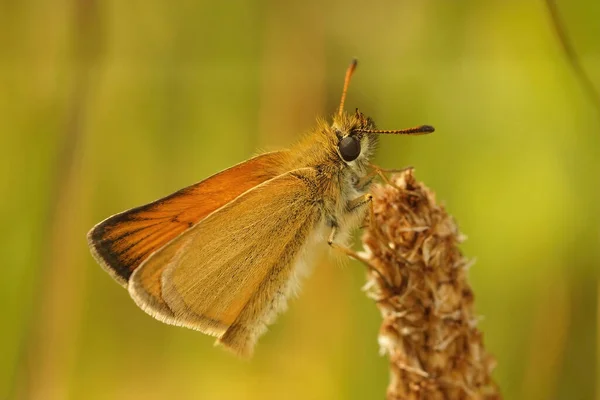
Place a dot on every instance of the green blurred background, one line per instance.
(105, 105)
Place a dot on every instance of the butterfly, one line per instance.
(222, 256)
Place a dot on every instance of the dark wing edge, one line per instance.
(122, 242)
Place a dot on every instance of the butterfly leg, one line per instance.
(353, 206)
(365, 181)
(378, 169)
(351, 253)
(382, 172)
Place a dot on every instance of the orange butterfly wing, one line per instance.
(122, 242)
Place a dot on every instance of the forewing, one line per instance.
(122, 242)
(227, 275)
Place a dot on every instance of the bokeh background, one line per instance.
(105, 105)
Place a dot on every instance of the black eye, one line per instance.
(349, 148)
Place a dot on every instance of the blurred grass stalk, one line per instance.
(44, 370)
(418, 278)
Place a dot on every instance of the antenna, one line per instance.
(417, 130)
(349, 73)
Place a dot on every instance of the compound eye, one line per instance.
(349, 148)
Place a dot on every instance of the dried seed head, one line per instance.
(429, 326)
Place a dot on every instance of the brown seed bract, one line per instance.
(429, 326)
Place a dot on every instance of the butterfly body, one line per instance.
(224, 255)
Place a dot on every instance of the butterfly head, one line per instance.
(356, 134)
(352, 138)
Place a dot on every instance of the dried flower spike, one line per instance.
(418, 278)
